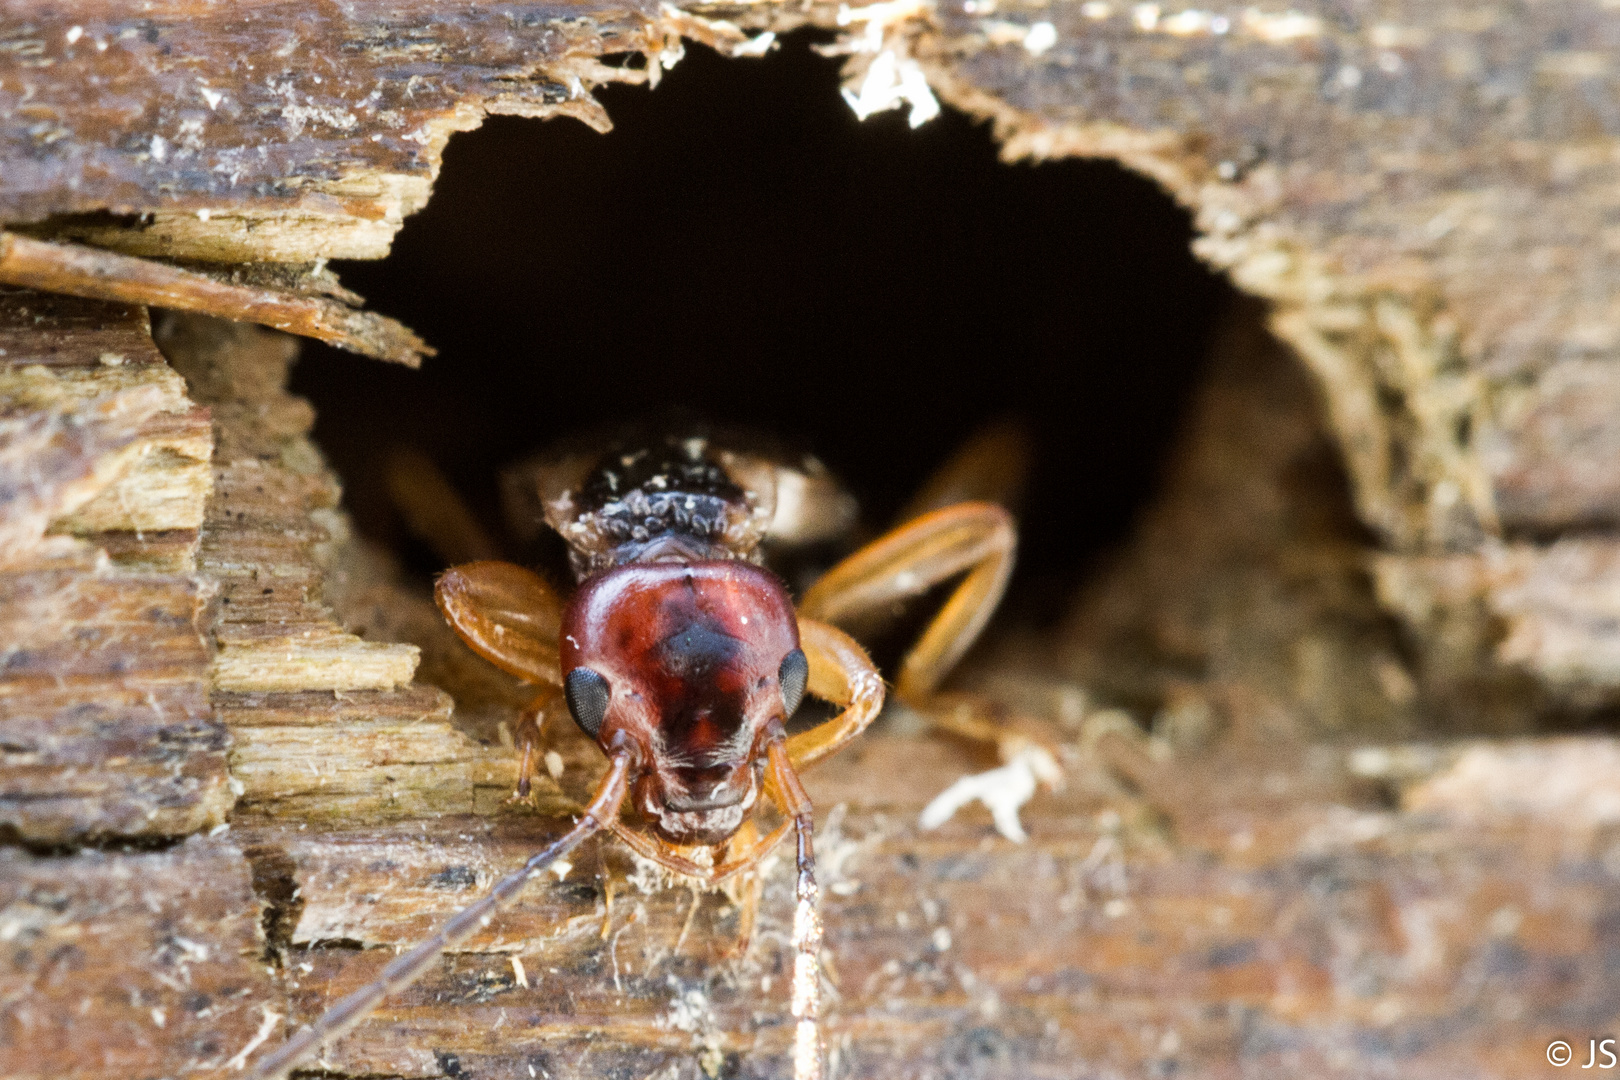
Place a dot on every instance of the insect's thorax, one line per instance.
(686, 635)
(668, 500)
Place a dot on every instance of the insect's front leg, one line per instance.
(510, 616)
(526, 735)
(976, 542)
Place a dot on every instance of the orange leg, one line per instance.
(508, 615)
(674, 857)
(974, 541)
(433, 511)
(958, 523)
(511, 617)
(527, 735)
(975, 538)
(840, 672)
(992, 466)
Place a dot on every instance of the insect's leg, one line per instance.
(840, 672)
(511, 617)
(404, 970)
(971, 539)
(975, 538)
(669, 856)
(665, 855)
(505, 613)
(992, 466)
(958, 521)
(527, 735)
(434, 511)
(745, 892)
(742, 852)
(807, 1063)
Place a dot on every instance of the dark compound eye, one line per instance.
(793, 676)
(587, 694)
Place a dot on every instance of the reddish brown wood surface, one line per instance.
(119, 965)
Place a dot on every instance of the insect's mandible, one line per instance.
(684, 659)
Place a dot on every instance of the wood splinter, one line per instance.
(77, 270)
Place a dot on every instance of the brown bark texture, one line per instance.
(1226, 895)
(76, 270)
(1422, 191)
(240, 762)
(104, 471)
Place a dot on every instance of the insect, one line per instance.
(684, 659)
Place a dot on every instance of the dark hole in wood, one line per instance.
(742, 246)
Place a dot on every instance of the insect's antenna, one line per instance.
(807, 1062)
(405, 969)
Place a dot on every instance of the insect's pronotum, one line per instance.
(684, 659)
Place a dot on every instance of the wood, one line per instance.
(1281, 878)
(273, 633)
(99, 438)
(103, 670)
(357, 756)
(130, 964)
(277, 163)
(1414, 191)
(1246, 594)
(1248, 902)
(103, 275)
(292, 684)
(1303, 929)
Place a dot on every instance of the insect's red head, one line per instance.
(697, 663)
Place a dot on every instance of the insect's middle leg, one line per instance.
(973, 538)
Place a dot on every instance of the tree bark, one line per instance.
(1283, 875)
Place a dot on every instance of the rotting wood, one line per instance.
(99, 438)
(105, 728)
(301, 693)
(271, 511)
(1247, 905)
(1263, 925)
(1415, 190)
(1250, 574)
(1544, 615)
(1418, 195)
(120, 965)
(104, 275)
(277, 162)
(368, 755)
